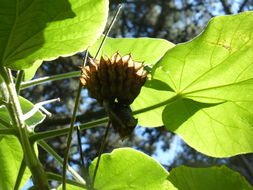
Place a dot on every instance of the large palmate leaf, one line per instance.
(45, 29)
(149, 50)
(218, 178)
(209, 100)
(11, 156)
(126, 168)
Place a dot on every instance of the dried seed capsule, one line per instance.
(122, 119)
(117, 80)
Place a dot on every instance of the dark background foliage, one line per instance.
(175, 20)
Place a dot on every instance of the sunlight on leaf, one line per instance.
(126, 168)
(153, 93)
(149, 50)
(71, 187)
(45, 29)
(11, 155)
(214, 178)
(213, 75)
(30, 72)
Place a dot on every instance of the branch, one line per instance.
(9, 132)
(242, 5)
(56, 177)
(64, 131)
(226, 7)
(49, 79)
(64, 120)
(39, 177)
(48, 149)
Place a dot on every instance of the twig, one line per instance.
(56, 177)
(64, 131)
(242, 6)
(71, 129)
(9, 132)
(101, 149)
(20, 77)
(39, 177)
(226, 7)
(48, 149)
(109, 29)
(83, 165)
(46, 79)
(20, 174)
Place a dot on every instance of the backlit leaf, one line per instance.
(126, 168)
(45, 29)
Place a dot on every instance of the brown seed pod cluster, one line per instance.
(115, 83)
(119, 78)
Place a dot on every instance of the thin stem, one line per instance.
(20, 174)
(93, 124)
(5, 93)
(14, 101)
(48, 149)
(6, 99)
(9, 132)
(20, 78)
(56, 177)
(83, 165)
(49, 79)
(39, 177)
(71, 129)
(80, 145)
(101, 150)
(109, 29)
(64, 131)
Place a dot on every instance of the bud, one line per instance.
(117, 81)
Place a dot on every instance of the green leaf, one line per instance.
(154, 96)
(212, 81)
(218, 178)
(30, 72)
(149, 50)
(4, 116)
(11, 156)
(37, 118)
(26, 106)
(45, 29)
(71, 187)
(126, 168)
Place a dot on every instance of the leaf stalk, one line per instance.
(39, 177)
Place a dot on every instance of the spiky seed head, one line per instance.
(117, 82)
(117, 78)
